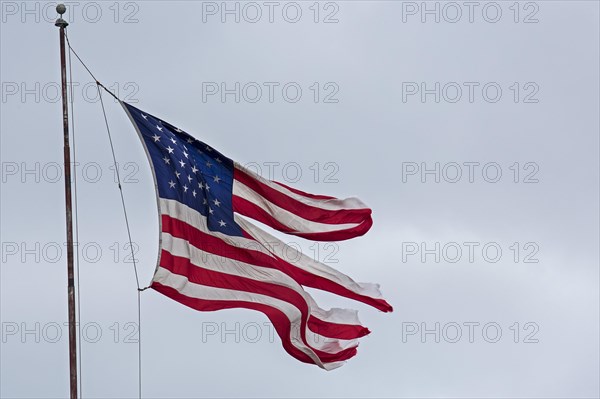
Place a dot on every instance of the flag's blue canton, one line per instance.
(189, 171)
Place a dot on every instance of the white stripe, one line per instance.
(338, 315)
(334, 204)
(308, 264)
(182, 248)
(179, 211)
(285, 217)
(182, 285)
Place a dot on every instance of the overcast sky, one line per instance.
(472, 130)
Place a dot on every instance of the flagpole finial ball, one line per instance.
(61, 9)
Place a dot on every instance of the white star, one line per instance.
(217, 179)
(145, 116)
(177, 174)
(178, 130)
(159, 128)
(185, 154)
(185, 188)
(189, 178)
(217, 202)
(194, 193)
(182, 163)
(156, 137)
(170, 149)
(200, 185)
(171, 184)
(190, 141)
(208, 164)
(207, 187)
(204, 201)
(167, 160)
(218, 160)
(222, 223)
(210, 210)
(208, 149)
(173, 140)
(194, 169)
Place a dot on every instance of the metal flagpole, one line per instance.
(62, 24)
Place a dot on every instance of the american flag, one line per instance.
(212, 258)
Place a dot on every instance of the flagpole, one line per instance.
(62, 24)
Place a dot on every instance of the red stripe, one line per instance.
(335, 330)
(245, 207)
(214, 245)
(206, 277)
(278, 319)
(294, 206)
